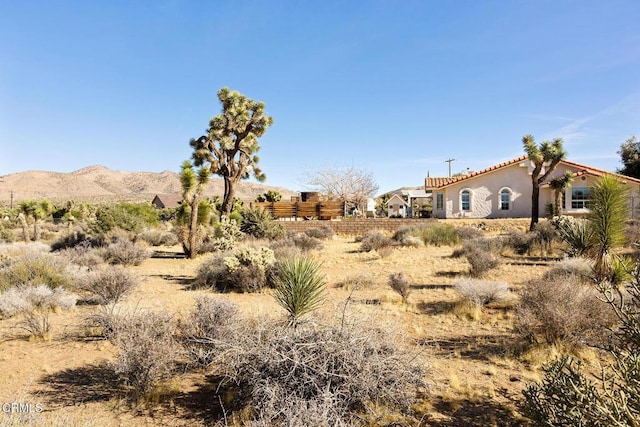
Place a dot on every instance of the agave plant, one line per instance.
(299, 287)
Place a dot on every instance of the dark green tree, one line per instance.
(630, 155)
(559, 184)
(193, 185)
(545, 158)
(229, 148)
(269, 196)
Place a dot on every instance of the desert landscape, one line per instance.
(475, 366)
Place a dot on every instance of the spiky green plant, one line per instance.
(299, 287)
(607, 216)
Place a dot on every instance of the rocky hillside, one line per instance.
(100, 184)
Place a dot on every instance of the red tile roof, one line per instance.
(433, 183)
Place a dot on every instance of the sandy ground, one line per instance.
(474, 377)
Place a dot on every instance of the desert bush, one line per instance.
(324, 375)
(226, 236)
(244, 270)
(34, 268)
(631, 231)
(322, 232)
(578, 268)
(27, 298)
(7, 235)
(146, 351)
(356, 282)
(385, 251)
(285, 248)
(439, 234)
(299, 287)
(125, 252)
(78, 238)
(373, 240)
(307, 243)
(481, 292)
(492, 245)
(544, 235)
(562, 309)
(211, 322)
(126, 216)
(575, 232)
(37, 324)
(156, 237)
(260, 224)
(521, 243)
(110, 284)
(82, 256)
(481, 262)
(399, 283)
(468, 233)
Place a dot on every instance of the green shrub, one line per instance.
(575, 232)
(127, 216)
(260, 224)
(242, 270)
(35, 269)
(433, 233)
(299, 287)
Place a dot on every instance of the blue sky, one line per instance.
(393, 86)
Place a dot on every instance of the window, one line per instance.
(439, 200)
(465, 200)
(579, 198)
(505, 199)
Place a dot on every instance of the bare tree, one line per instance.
(350, 184)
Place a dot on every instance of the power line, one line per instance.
(449, 161)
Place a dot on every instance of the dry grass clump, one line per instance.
(374, 240)
(322, 232)
(146, 351)
(481, 292)
(324, 375)
(36, 269)
(385, 251)
(110, 284)
(212, 321)
(399, 283)
(481, 262)
(125, 252)
(156, 237)
(356, 282)
(27, 298)
(36, 323)
(563, 309)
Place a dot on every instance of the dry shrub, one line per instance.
(244, 270)
(110, 284)
(323, 375)
(211, 322)
(578, 268)
(563, 309)
(468, 233)
(212, 273)
(36, 269)
(125, 252)
(307, 243)
(285, 248)
(521, 243)
(322, 232)
(146, 351)
(356, 282)
(385, 251)
(25, 299)
(78, 238)
(481, 262)
(36, 323)
(481, 292)
(156, 237)
(399, 283)
(374, 240)
(82, 255)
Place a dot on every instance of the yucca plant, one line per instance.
(299, 287)
(607, 216)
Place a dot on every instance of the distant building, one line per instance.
(162, 201)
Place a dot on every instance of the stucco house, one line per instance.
(397, 206)
(504, 191)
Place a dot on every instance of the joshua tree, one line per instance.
(38, 210)
(231, 143)
(544, 158)
(192, 188)
(559, 184)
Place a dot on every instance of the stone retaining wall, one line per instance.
(354, 227)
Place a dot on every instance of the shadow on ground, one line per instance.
(475, 347)
(467, 413)
(92, 383)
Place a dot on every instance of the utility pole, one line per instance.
(11, 199)
(449, 161)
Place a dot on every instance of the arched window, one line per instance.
(465, 200)
(505, 199)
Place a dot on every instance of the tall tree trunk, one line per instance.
(229, 192)
(193, 229)
(558, 203)
(535, 211)
(25, 227)
(36, 229)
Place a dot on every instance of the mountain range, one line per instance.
(99, 184)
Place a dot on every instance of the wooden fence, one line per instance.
(320, 210)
